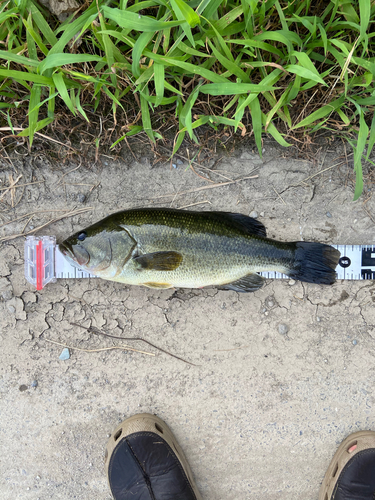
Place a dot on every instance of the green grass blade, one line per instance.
(305, 73)
(159, 82)
(38, 126)
(321, 113)
(132, 21)
(371, 140)
(234, 88)
(25, 61)
(24, 76)
(58, 60)
(59, 83)
(146, 119)
(139, 46)
(34, 110)
(42, 24)
(256, 118)
(185, 12)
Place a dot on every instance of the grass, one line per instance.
(285, 66)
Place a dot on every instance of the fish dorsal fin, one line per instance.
(243, 222)
(159, 261)
(249, 283)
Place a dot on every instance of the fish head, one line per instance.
(101, 249)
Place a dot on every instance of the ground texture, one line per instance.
(262, 412)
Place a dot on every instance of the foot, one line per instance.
(144, 462)
(351, 474)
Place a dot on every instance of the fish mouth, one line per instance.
(78, 256)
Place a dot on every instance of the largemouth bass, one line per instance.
(164, 248)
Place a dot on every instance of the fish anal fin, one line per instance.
(249, 283)
(243, 222)
(159, 261)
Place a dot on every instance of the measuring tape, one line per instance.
(44, 263)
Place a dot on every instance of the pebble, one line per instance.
(318, 319)
(174, 165)
(329, 214)
(81, 197)
(7, 294)
(11, 308)
(34, 383)
(254, 214)
(65, 354)
(270, 303)
(292, 282)
(179, 162)
(283, 329)
(354, 342)
(261, 214)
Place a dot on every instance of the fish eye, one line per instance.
(81, 236)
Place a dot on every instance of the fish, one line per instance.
(171, 248)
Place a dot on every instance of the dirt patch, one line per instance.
(263, 401)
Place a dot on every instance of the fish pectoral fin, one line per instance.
(249, 283)
(159, 261)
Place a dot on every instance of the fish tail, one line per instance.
(314, 263)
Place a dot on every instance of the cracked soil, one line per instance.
(261, 413)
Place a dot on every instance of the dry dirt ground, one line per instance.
(261, 413)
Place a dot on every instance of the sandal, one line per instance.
(144, 461)
(351, 473)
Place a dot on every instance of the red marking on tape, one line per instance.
(39, 265)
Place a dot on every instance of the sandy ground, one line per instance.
(261, 414)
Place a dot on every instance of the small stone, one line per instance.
(34, 383)
(179, 162)
(254, 214)
(65, 354)
(318, 319)
(283, 329)
(328, 214)
(23, 388)
(270, 303)
(291, 282)
(81, 197)
(174, 165)
(11, 308)
(354, 342)
(261, 214)
(7, 294)
(355, 221)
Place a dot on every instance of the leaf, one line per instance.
(34, 110)
(159, 82)
(133, 21)
(185, 12)
(234, 88)
(146, 120)
(358, 152)
(58, 60)
(256, 119)
(139, 46)
(305, 73)
(26, 61)
(320, 113)
(25, 76)
(58, 80)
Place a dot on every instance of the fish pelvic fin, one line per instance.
(314, 263)
(249, 283)
(159, 261)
